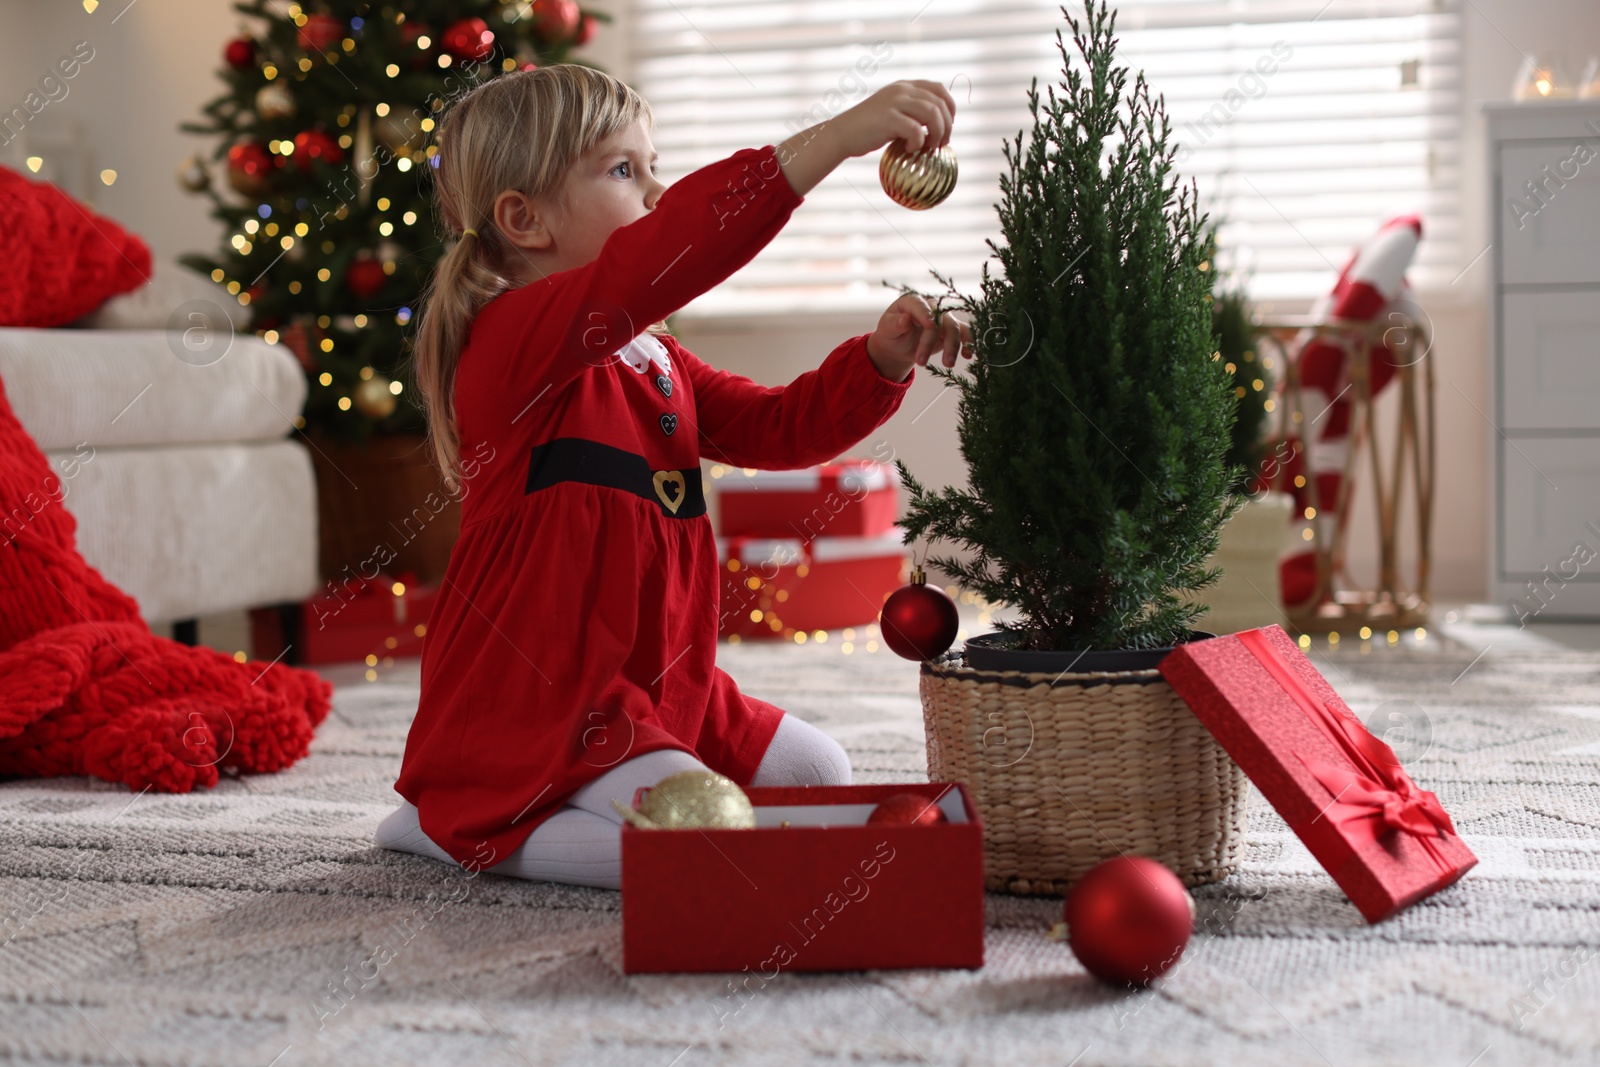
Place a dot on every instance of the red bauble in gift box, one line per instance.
(776, 588)
(1387, 842)
(353, 619)
(826, 892)
(906, 809)
(850, 498)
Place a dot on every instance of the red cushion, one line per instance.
(60, 260)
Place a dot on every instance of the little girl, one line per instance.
(570, 656)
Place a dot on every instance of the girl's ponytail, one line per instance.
(521, 130)
(459, 288)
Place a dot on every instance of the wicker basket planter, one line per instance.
(1069, 770)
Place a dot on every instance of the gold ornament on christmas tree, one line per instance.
(693, 800)
(396, 134)
(373, 397)
(193, 175)
(920, 181)
(274, 101)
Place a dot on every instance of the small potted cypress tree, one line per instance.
(1095, 425)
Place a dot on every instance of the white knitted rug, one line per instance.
(209, 928)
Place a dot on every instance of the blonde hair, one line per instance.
(521, 130)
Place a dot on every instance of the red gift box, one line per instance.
(1344, 793)
(850, 498)
(826, 893)
(822, 584)
(384, 616)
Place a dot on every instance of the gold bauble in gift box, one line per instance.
(917, 181)
(373, 397)
(692, 800)
(274, 101)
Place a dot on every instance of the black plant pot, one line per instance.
(993, 652)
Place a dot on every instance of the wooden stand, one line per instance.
(1398, 457)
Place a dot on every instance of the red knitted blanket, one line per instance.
(86, 688)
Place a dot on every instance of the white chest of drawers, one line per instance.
(1544, 321)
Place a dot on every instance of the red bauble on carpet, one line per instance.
(1128, 920)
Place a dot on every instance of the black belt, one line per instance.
(678, 493)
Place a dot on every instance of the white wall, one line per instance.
(155, 65)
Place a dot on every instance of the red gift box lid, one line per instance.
(1385, 841)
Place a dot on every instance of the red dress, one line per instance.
(577, 623)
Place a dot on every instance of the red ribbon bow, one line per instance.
(1375, 780)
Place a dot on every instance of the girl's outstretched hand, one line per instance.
(907, 336)
(898, 111)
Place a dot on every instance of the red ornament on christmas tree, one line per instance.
(1128, 920)
(365, 277)
(907, 809)
(918, 621)
(240, 53)
(250, 167)
(468, 39)
(312, 145)
(586, 28)
(410, 34)
(555, 20)
(320, 32)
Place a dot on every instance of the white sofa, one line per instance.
(174, 449)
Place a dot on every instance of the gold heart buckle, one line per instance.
(672, 502)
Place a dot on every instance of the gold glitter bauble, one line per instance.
(274, 101)
(373, 397)
(920, 181)
(193, 175)
(692, 800)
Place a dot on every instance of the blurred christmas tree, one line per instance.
(325, 137)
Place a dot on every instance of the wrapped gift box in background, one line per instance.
(774, 588)
(354, 619)
(1344, 793)
(850, 498)
(826, 893)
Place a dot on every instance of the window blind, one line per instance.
(1304, 124)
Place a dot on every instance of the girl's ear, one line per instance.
(521, 219)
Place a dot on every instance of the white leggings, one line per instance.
(581, 844)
